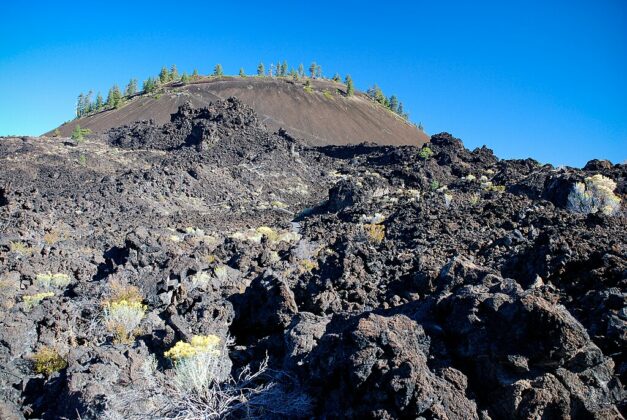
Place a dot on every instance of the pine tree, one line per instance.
(150, 85)
(312, 69)
(174, 73)
(114, 99)
(184, 78)
(284, 68)
(318, 72)
(393, 103)
(217, 70)
(336, 77)
(376, 93)
(79, 105)
(241, 72)
(301, 70)
(350, 89)
(87, 106)
(261, 69)
(77, 134)
(131, 88)
(278, 68)
(195, 75)
(163, 75)
(99, 101)
(293, 74)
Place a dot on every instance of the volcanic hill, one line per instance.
(209, 267)
(323, 115)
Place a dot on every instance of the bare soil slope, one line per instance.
(319, 118)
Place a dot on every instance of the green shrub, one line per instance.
(425, 153)
(80, 133)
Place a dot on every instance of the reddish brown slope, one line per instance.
(316, 117)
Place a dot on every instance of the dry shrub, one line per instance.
(48, 361)
(375, 233)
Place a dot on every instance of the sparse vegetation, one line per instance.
(392, 103)
(308, 87)
(425, 153)
(313, 67)
(350, 88)
(307, 265)
(123, 312)
(20, 248)
(114, 98)
(79, 133)
(448, 200)
(164, 75)
(174, 73)
(131, 88)
(52, 281)
(150, 85)
(47, 361)
(434, 185)
(34, 300)
(595, 194)
(327, 94)
(99, 102)
(375, 232)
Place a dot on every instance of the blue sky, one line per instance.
(541, 79)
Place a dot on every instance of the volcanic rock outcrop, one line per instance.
(379, 281)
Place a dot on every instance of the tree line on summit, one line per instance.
(87, 104)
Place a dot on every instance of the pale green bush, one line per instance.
(52, 281)
(595, 194)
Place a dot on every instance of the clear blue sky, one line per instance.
(544, 79)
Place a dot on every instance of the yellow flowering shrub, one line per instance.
(198, 344)
(56, 281)
(47, 361)
(32, 300)
(123, 311)
(376, 233)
